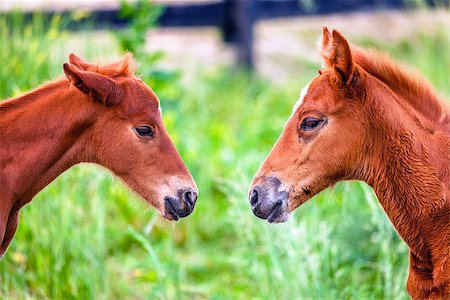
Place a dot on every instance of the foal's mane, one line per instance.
(124, 67)
(407, 84)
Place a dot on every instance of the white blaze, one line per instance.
(300, 99)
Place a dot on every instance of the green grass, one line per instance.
(87, 237)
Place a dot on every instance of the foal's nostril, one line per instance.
(182, 205)
(254, 197)
(189, 197)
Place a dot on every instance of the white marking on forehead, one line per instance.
(160, 109)
(300, 99)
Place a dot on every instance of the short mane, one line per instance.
(406, 83)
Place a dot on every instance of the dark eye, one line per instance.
(144, 131)
(310, 123)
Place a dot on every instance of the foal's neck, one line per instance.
(40, 134)
(406, 173)
(408, 189)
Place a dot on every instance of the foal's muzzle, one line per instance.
(182, 206)
(268, 202)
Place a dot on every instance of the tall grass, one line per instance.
(87, 237)
(28, 51)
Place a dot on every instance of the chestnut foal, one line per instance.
(365, 118)
(99, 114)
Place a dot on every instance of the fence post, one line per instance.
(240, 16)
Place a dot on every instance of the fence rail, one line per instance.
(236, 18)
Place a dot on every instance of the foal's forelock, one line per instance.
(124, 67)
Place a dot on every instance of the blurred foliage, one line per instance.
(86, 236)
(25, 54)
(143, 15)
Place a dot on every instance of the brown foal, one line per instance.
(366, 118)
(98, 114)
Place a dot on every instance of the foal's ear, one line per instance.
(337, 55)
(99, 87)
(342, 58)
(325, 46)
(78, 62)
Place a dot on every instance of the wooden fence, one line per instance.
(236, 18)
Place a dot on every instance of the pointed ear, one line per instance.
(325, 46)
(78, 62)
(99, 87)
(341, 58)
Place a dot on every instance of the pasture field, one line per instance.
(86, 236)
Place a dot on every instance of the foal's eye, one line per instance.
(310, 123)
(144, 131)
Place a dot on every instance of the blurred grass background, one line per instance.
(86, 236)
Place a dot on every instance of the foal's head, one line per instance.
(128, 135)
(320, 142)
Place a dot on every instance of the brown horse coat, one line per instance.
(366, 118)
(99, 114)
